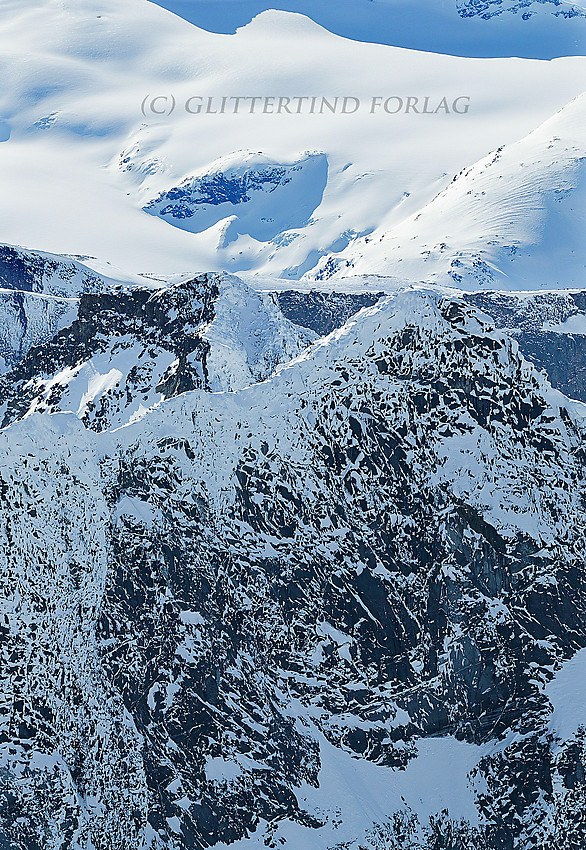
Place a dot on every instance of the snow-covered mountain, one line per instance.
(515, 220)
(99, 107)
(127, 349)
(292, 425)
(325, 610)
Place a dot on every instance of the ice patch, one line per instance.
(575, 324)
(567, 694)
(220, 770)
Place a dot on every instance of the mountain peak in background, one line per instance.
(532, 29)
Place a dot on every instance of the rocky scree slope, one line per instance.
(220, 616)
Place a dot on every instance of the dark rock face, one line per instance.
(323, 312)
(27, 319)
(378, 550)
(562, 354)
(109, 323)
(18, 271)
(39, 298)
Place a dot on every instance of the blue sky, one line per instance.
(432, 25)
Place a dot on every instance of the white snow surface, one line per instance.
(73, 79)
(514, 220)
(356, 794)
(567, 694)
(575, 324)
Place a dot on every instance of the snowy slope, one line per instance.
(73, 80)
(268, 197)
(515, 220)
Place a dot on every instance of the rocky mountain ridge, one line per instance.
(130, 348)
(221, 614)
